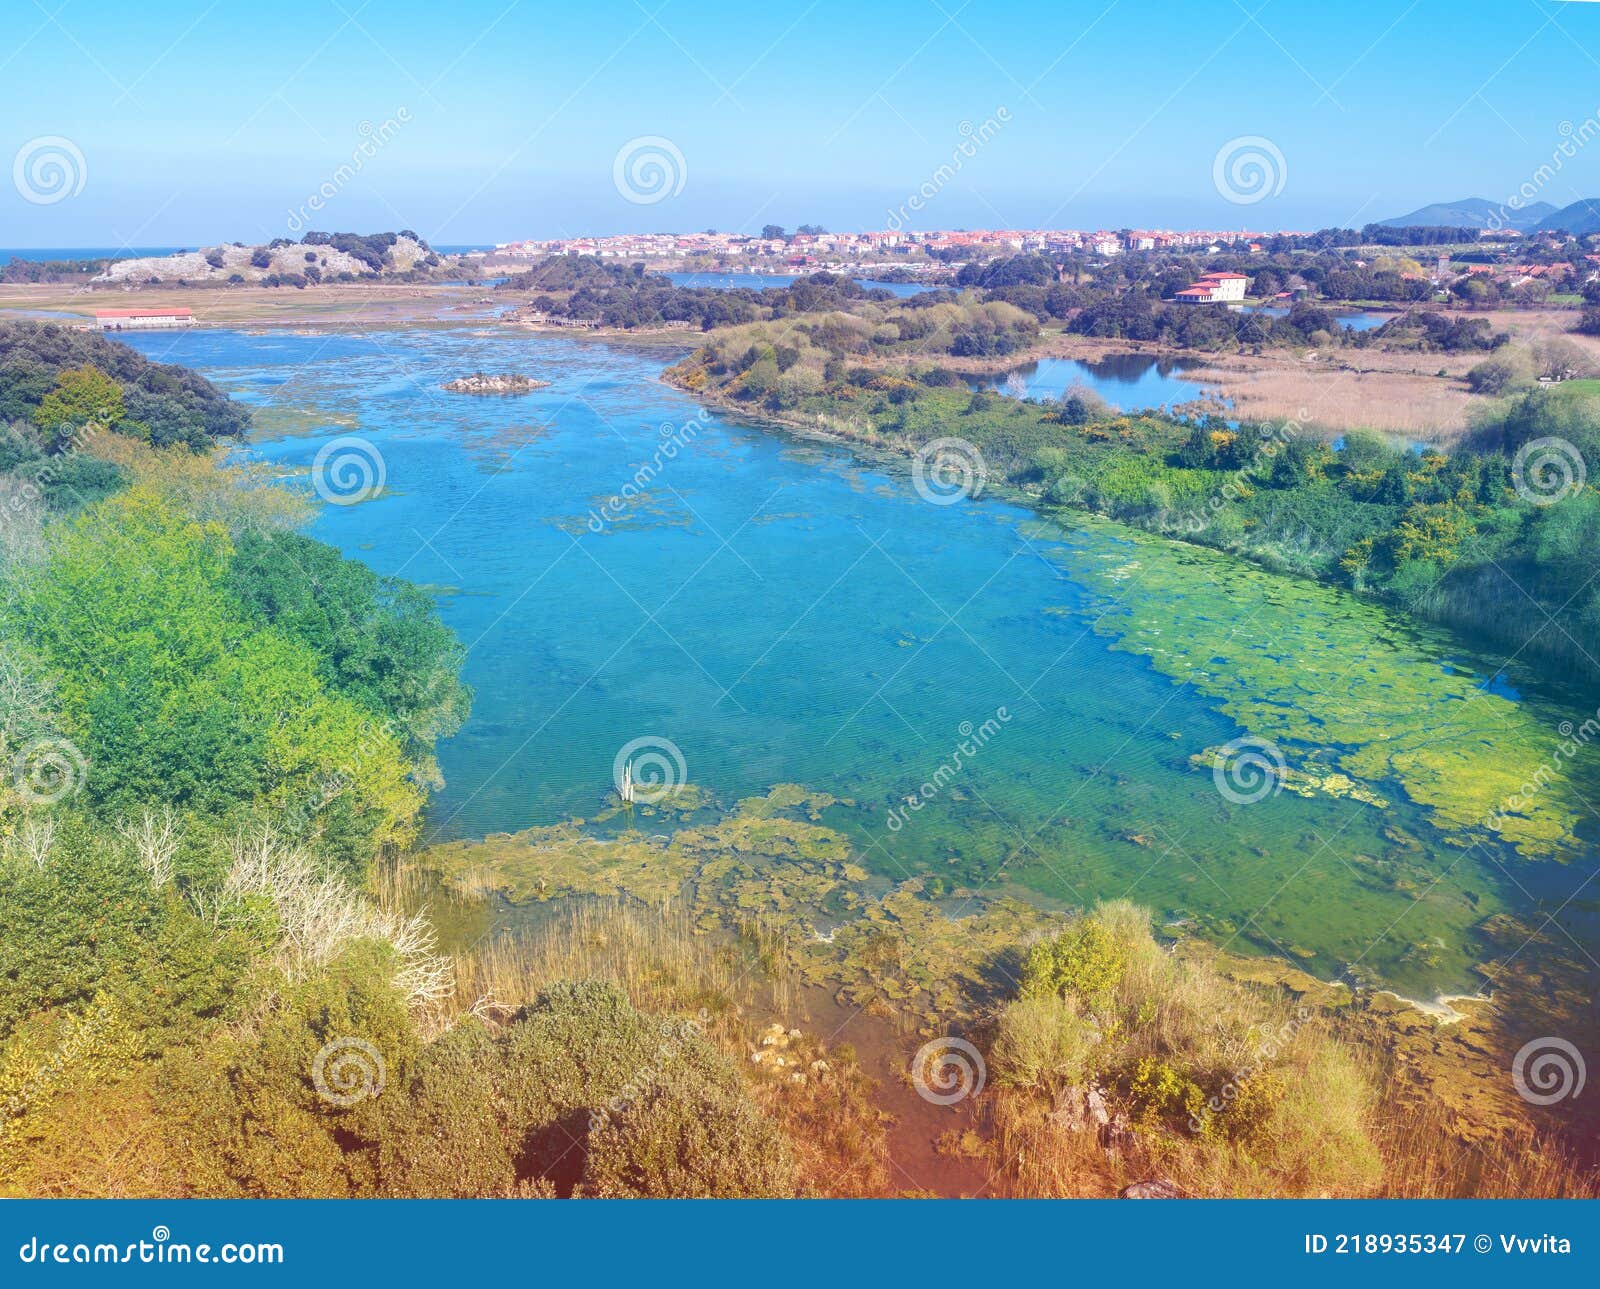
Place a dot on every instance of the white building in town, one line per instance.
(1215, 288)
(142, 319)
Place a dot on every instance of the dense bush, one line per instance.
(45, 369)
(1224, 1089)
(629, 296)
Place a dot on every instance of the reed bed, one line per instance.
(659, 958)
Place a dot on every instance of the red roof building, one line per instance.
(142, 319)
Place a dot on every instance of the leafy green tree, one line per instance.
(1493, 376)
(1394, 489)
(178, 697)
(378, 640)
(84, 399)
(175, 405)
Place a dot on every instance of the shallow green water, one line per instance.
(783, 612)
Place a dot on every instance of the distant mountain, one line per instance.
(1579, 218)
(1475, 212)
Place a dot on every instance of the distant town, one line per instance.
(776, 251)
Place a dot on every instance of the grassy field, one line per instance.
(341, 304)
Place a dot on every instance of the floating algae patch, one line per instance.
(1311, 778)
(888, 948)
(1344, 689)
(561, 860)
(768, 871)
(284, 420)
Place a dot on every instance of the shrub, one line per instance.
(603, 1098)
(1160, 1095)
(1044, 1043)
(1085, 960)
(1233, 1093)
(1494, 376)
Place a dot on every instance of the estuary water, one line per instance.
(1129, 382)
(784, 611)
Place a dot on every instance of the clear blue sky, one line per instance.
(201, 121)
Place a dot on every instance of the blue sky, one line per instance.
(204, 120)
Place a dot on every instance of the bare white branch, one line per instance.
(319, 915)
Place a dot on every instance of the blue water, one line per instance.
(1363, 320)
(39, 254)
(1130, 382)
(783, 611)
(771, 281)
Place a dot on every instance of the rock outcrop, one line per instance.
(1152, 1188)
(483, 383)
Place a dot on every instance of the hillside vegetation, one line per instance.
(1477, 538)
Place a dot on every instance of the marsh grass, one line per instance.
(1224, 1087)
(730, 984)
(1402, 402)
(1426, 1157)
(655, 957)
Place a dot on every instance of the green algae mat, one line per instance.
(1347, 693)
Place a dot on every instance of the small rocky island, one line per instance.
(483, 383)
